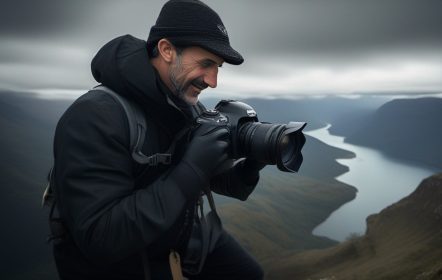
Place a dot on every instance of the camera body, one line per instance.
(232, 114)
(278, 144)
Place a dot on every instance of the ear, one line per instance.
(166, 50)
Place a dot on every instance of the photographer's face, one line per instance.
(192, 71)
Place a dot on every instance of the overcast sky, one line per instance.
(312, 47)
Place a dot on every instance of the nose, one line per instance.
(211, 77)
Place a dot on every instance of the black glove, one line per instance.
(253, 165)
(208, 148)
(249, 169)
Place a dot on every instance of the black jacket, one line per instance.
(112, 207)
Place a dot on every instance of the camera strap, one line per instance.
(209, 195)
(207, 229)
(137, 129)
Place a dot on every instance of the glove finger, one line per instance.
(254, 164)
(220, 133)
(223, 145)
(224, 157)
(206, 129)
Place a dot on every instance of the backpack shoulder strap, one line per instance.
(137, 129)
(48, 194)
(137, 133)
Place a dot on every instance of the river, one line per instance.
(380, 181)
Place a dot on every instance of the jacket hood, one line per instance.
(124, 66)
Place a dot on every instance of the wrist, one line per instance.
(190, 179)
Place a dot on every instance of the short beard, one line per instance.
(179, 88)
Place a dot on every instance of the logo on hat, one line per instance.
(222, 29)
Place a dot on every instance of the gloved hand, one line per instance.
(208, 148)
(253, 165)
(249, 169)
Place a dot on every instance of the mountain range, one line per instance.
(407, 129)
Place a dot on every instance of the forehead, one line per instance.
(202, 54)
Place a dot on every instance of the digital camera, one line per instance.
(279, 144)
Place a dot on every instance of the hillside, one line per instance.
(27, 126)
(404, 128)
(403, 241)
(280, 215)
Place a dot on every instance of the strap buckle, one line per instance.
(159, 158)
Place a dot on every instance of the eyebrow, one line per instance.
(205, 60)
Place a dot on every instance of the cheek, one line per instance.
(185, 75)
(193, 74)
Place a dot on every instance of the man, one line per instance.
(126, 220)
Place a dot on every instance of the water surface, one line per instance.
(380, 181)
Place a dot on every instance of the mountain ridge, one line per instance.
(408, 129)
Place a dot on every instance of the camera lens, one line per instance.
(292, 141)
(285, 148)
(278, 144)
(273, 143)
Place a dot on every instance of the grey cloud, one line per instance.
(260, 26)
(43, 17)
(335, 33)
(336, 26)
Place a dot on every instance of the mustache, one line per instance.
(199, 83)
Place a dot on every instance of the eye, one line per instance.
(207, 63)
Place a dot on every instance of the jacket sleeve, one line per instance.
(238, 182)
(106, 216)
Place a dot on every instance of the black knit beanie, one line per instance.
(193, 23)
